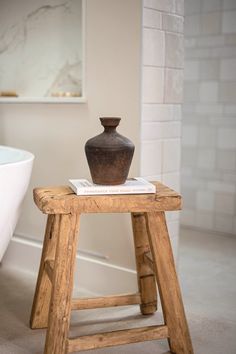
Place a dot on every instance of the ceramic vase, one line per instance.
(109, 154)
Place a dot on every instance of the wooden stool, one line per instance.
(53, 296)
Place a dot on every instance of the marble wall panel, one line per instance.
(41, 47)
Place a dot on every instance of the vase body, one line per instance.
(109, 154)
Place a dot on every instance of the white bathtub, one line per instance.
(15, 171)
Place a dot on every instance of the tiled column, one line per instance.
(209, 119)
(162, 84)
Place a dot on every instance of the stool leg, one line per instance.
(146, 277)
(170, 294)
(62, 286)
(42, 296)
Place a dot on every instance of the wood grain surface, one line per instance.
(62, 200)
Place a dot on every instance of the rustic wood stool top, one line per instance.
(62, 200)
(53, 301)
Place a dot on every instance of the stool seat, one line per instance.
(53, 301)
(62, 200)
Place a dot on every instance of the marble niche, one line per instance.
(41, 49)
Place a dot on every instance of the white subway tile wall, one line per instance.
(229, 5)
(153, 84)
(151, 19)
(228, 22)
(173, 86)
(211, 5)
(162, 86)
(174, 50)
(172, 23)
(153, 47)
(161, 5)
(209, 116)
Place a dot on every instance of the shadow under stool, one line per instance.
(53, 301)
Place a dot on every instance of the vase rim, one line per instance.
(110, 121)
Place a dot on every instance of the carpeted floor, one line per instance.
(208, 279)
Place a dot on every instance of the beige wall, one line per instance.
(56, 133)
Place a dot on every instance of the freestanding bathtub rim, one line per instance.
(26, 156)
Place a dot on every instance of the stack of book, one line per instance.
(136, 185)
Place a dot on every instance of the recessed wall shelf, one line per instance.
(43, 47)
(43, 100)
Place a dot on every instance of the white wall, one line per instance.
(162, 86)
(56, 134)
(209, 123)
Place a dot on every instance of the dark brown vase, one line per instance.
(109, 154)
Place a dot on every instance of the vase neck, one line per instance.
(109, 130)
(110, 123)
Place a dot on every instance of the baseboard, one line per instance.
(95, 276)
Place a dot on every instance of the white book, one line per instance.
(136, 185)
